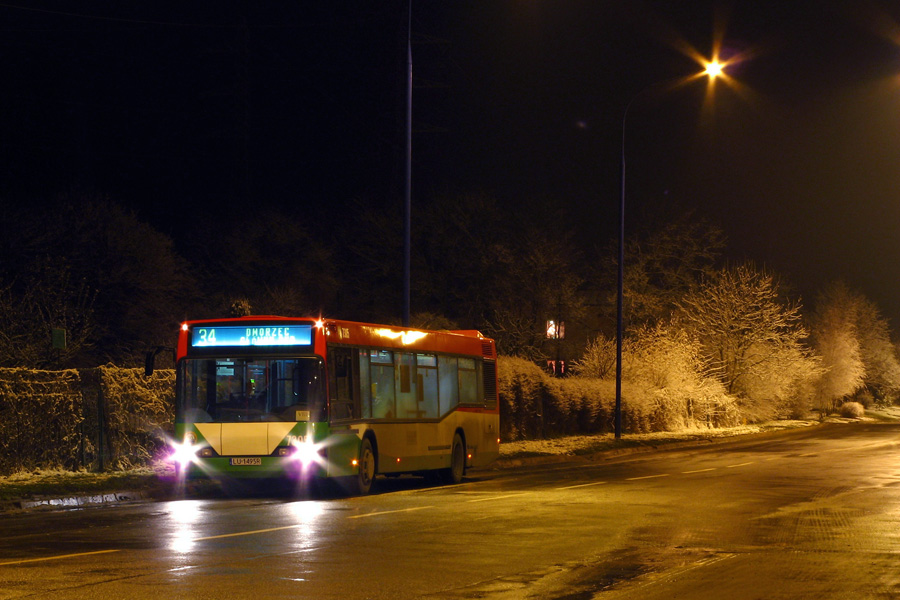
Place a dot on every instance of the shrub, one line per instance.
(865, 398)
(852, 410)
(520, 389)
(40, 420)
(140, 412)
(534, 405)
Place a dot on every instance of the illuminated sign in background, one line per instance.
(556, 330)
(251, 335)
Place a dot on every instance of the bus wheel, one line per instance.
(457, 461)
(362, 481)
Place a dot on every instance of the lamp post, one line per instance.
(407, 190)
(713, 69)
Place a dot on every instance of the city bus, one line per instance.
(269, 396)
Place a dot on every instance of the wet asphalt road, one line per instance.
(813, 513)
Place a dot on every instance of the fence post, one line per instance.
(101, 422)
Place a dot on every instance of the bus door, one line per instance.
(344, 391)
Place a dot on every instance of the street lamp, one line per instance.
(712, 70)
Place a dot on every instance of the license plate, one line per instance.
(246, 462)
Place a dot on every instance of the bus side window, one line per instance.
(381, 372)
(449, 383)
(468, 382)
(427, 385)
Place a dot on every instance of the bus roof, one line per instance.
(336, 331)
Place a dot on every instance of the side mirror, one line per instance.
(150, 359)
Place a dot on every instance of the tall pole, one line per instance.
(620, 290)
(620, 278)
(713, 69)
(407, 231)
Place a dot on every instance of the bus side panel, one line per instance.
(343, 449)
(415, 447)
(482, 436)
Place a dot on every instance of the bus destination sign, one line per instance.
(251, 335)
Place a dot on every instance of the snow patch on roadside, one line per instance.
(586, 444)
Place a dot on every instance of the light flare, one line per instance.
(183, 454)
(714, 68)
(405, 337)
(306, 451)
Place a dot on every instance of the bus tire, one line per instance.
(457, 468)
(361, 483)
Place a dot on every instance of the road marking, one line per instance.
(496, 498)
(60, 557)
(389, 512)
(580, 485)
(699, 471)
(647, 477)
(740, 465)
(240, 533)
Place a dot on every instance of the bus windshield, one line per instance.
(232, 390)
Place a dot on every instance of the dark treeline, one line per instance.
(118, 286)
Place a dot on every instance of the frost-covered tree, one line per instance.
(782, 384)
(598, 360)
(853, 339)
(666, 374)
(882, 378)
(835, 336)
(748, 333)
(666, 368)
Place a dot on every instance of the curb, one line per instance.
(76, 501)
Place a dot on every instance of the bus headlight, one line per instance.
(183, 454)
(305, 451)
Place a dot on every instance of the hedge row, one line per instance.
(534, 405)
(112, 418)
(95, 419)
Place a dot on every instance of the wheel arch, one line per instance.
(370, 435)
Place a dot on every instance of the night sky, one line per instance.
(179, 110)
